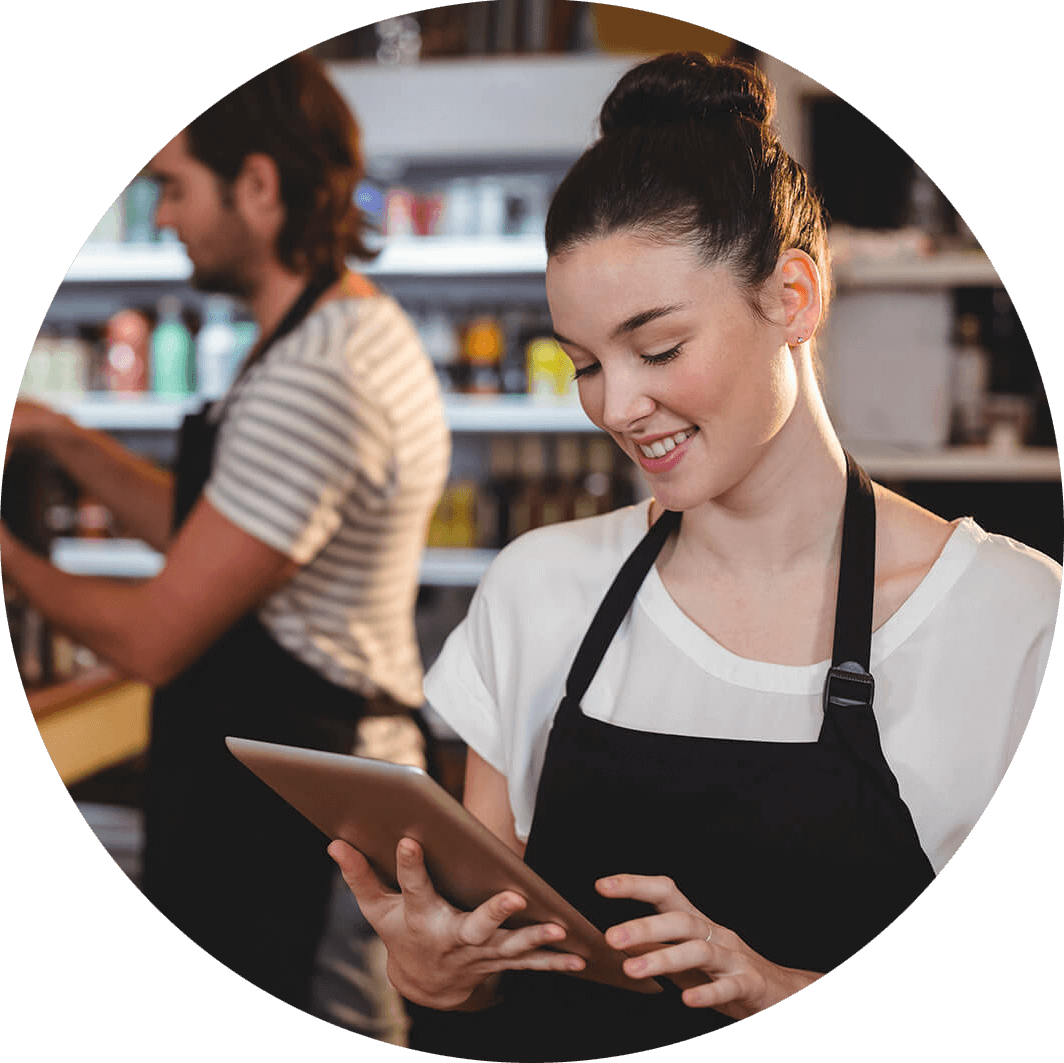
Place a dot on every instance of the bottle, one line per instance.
(569, 463)
(971, 378)
(550, 373)
(555, 501)
(60, 507)
(247, 335)
(93, 519)
(109, 229)
(526, 507)
(37, 375)
(482, 347)
(497, 493)
(216, 348)
(171, 351)
(599, 483)
(31, 653)
(440, 341)
(458, 216)
(68, 371)
(138, 202)
(127, 339)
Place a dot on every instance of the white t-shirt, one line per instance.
(957, 667)
(333, 449)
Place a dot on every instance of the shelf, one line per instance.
(962, 463)
(131, 559)
(444, 256)
(437, 256)
(123, 558)
(454, 567)
(92, 723)
(952, 269)
(465, 413)
(131, 412)
(515, 413)
(505, 107)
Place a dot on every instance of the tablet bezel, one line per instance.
(372, 804)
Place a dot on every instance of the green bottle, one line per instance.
(171, 351)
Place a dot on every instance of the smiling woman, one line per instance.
(669, 708)
(674, 363)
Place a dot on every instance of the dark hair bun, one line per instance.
(686, 86)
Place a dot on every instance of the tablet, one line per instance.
(372, 804)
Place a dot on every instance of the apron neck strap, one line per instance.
(849, 681)
(857, 571)
(314, 289)
(616, 604)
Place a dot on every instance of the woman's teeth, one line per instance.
(659, 448)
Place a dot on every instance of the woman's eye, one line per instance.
(585, 370)
(665, 356)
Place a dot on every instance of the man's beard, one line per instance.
(220, 280)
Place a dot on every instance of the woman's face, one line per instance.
(672, 361)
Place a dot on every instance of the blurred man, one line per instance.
(292, 524)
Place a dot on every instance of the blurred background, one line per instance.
(471, 115)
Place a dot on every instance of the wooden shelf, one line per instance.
(92, 722)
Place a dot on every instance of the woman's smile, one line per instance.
(662, 453)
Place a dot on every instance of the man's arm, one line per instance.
(151, 630)
(137, 492)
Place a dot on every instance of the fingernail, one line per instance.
(635, 966)
(609, 883)
(618, 937)
(576, 965)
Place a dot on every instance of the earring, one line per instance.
(798, 341)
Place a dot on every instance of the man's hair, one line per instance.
(294, 114)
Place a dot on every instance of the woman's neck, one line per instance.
(785, 512)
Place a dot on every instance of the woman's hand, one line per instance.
(439, 956)
(713, 966)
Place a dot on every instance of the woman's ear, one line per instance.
(796, 283)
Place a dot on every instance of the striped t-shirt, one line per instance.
(333, 449)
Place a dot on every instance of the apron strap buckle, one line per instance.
(848, 686)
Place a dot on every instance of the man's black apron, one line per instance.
(225, 859)
(805, 850)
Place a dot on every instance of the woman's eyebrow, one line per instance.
(630, 324)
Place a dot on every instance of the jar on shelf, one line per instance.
(127, 343)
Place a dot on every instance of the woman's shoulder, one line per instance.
(918, 550)
(572, 555)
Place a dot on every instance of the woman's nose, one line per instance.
(625, 401)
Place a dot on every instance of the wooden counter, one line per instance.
(92, 722)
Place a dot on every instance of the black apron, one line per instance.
(805, 850)
(226, 860)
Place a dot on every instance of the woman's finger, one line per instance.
(360, 877)
(530, 938)
(658, 890)
(412, 876)
(660, 928)
(478, 926)
(673, 959)
(717, 993)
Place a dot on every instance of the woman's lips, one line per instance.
(665, 452)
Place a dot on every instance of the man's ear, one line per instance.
(257, 191)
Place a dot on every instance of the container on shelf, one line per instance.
(171, 351)
(139, 201)
(218, 350)
(550, 373)
(127, 346)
